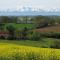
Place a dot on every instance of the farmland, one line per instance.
(45, 42)
(14, 51)
(30, 38)
(19, 26)
(55, 28)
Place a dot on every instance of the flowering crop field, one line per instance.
(10, 51)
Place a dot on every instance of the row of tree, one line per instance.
(39, 22)
(43, 21)
(15, 19)
(35, 19)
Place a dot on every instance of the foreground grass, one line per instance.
(18, 52)
(45, 42)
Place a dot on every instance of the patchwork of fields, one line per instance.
(27, 42)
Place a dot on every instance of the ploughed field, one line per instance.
(50, 29)
(14, 51)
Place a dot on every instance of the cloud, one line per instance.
(18, 4)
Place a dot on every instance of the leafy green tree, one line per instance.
(40, 21)
(11, 30)
(36, 36)
(2, 26)
(5, 19)
(25, 19)
(51, 21)
(24, 33)
(14, 19)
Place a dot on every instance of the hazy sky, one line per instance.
(45, 4)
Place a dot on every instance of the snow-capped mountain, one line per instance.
(26, 11)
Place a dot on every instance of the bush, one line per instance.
(51, 35)
(2, 37)
(11, 30)
(35, 36)
(56, 45)
(24, 33)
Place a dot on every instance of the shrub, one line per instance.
(51, 35)
(56, 45)
(24, 33)
(11, 30)
(35, 36)
(2, 37)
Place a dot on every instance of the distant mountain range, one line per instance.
(30, 12)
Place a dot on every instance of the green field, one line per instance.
(20, 26)
(28, 50)
(46, 42)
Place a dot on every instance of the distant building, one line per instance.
(24, 20)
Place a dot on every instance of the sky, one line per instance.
(17, 4)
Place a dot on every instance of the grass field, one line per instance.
(45, 42)
(20, 26)
(27, 50)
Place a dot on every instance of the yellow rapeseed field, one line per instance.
(18, 52)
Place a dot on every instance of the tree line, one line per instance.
(26, 33)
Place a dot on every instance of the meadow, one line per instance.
(20, 26)
(45, 42)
